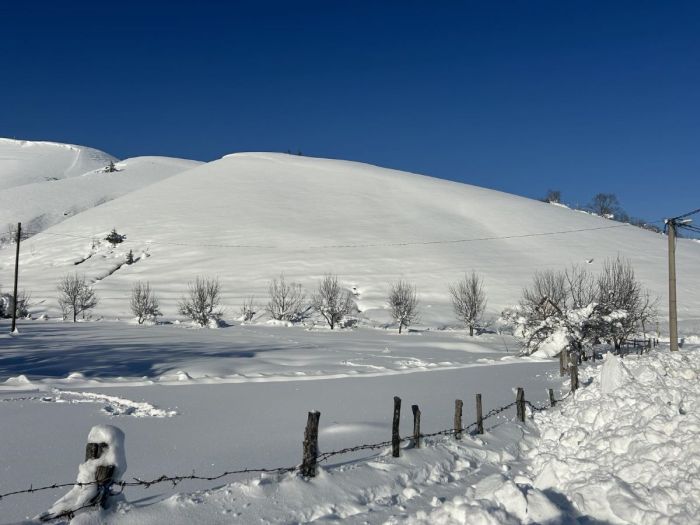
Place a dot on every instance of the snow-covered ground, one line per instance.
(30, 162)
(234, 397)
(248, 217)
(42, 184)
(622, 450)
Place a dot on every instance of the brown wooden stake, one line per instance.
(574, 378)
(308, 465)
(520, 404)
(395, 439)
(562, 362)
(416, 426)
(103, 473)
(479, 416)
(552, 401)
(458, 418)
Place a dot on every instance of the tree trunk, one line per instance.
(471, 330)
(400, 326)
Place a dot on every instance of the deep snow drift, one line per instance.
(248, 217)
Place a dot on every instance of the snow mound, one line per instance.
(627, 451)
(613, 374)
(112, 455)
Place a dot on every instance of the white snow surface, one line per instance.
(29, 162)
(43, 203)
(626, 450)
(630, 456)
(248, 217)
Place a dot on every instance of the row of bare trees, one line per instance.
(573, 304)
(287, 301)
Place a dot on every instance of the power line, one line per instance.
(346, 246)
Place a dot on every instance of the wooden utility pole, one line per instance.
(14, 300)
(672, 312)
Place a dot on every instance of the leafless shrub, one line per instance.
(75, 296)
(7, 304)
(287, 301)
(248, 309)
(469, 300)
(403, 303)
(331, 301)
(144, 304)
(202, 303)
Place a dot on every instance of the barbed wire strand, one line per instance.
(176, 479)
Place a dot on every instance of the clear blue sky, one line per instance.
(580, 96)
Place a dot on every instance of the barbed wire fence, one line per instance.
(106, 486)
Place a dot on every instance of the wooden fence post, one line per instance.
(552, 401)
(520, 404)
(562, 362)
(308, 465)
(416, 426)
(103, 473)
(458, 419)
(395, 439)
(479, 416)
(574, 378)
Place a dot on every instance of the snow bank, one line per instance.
(627, 449)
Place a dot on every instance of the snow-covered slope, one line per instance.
(247, 217)
(42, 204)
(28, 162)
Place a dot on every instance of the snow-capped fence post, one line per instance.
(552, 401)
(105, 463)
(308, 465)
(395, 439)
(479, 416)
(520, 404)
(458, 418)
(574, 377)
(416, 426)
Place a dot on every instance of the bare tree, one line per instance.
(403, 303)
(287, 300)
(605, 205)
(144, 304)
(626, 304)
(469, 300)
(75, 296)
(552, 196)
(580, 287)
(331, 301)
(249, 308)
(202, 303)
(549, 285)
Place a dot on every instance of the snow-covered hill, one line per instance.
(42, 204)
(29, 162)
(248, 217)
